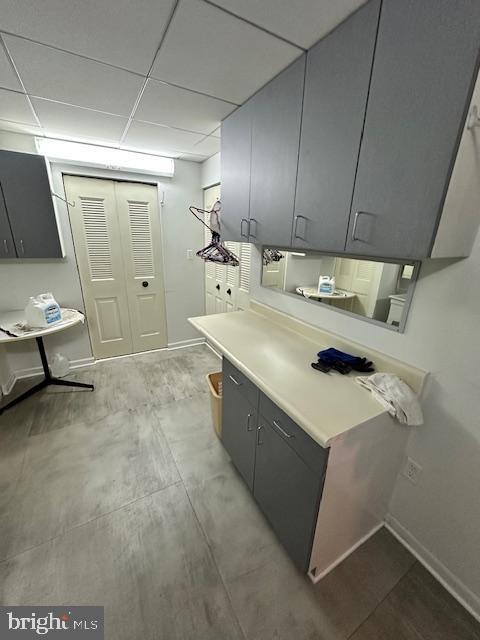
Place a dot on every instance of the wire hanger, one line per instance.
(70, 204)
(216, 250)
(271, 255)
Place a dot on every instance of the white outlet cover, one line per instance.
(412, 470)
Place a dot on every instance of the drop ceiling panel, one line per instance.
(163, 104)
(208, 146)
(159, 139)
(213, 52)
(14, 107)
(8, 78)
(120, 32)
(302, 22)
(64, 120)
(50, 73)
(191, 157)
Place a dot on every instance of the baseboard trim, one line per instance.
(35, 371)
(8, 386)
(181, 344)
(318, 576)
(447, 579)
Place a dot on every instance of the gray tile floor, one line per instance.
(125, 498)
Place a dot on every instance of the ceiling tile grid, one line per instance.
(156, 76)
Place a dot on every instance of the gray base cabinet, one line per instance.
(280, 463)
(239, 428)
(28, 206)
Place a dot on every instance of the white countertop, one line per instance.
(277, 359)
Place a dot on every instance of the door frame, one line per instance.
(62, 169)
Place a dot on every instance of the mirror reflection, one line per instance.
(367, 288)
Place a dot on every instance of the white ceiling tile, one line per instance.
(208, 146)
(50, 73)
(75, 122)
(191, 157)
(159, 139)
(208, 50)
(302, 22)
(120, 32)
(8, 77)
(18, 127)
(164, 104)
(216, 133)
(14, 107)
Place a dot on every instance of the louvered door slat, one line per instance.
(141, 239)
(97, 240)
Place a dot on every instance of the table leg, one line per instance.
(48, 380)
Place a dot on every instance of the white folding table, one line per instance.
(70, 319)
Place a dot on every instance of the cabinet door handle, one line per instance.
(5, 245)
(282, 431)
(355, 222)
(244, 235)
(236, 382)
(229, 291)
(217, 287)
(250, 233)
(22, 247)
(250, 415)
(295, 232)
(259, 441)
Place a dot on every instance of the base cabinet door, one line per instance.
(238, 430)
(288, 492)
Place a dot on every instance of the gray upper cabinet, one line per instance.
(7, 247)
(336, 88)
(425, 61)
(235, 154)
(29, 207)
(276, 117)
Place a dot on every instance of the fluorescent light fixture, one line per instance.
(299, 255)
(106, 157)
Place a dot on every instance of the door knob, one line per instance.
(229, 291)
(144, 283)
(217, 287)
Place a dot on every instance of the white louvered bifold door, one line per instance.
(139, 220)
(243, 293)
(98, 250)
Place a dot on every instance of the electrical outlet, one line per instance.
(412, 470)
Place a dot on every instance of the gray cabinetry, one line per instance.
(7, 247)
(276, 116)
(336, 88)
(29, 207)
(287, 491)
(239, 423)
(425, 61)
(280, 463)
(235, 154)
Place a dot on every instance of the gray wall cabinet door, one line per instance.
(7, 246)
(235, 154)
(239, 430)
(425, 60)
(28, 200)
(336, 88)
(277, 111)
(288, 492)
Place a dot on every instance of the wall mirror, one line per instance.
(379, 292)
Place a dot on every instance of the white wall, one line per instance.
(184, 281)
(440, 516)
(210, 169)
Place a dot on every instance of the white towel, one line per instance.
(395, 395)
